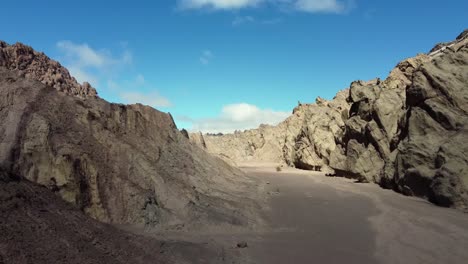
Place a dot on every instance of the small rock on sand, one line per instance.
(242, 244)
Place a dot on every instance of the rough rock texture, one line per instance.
(373, 129)
(36, 226)
(442, 46)
(322, 128)
(119, 164)
(304, 140)
(408, 132)
(37, 66)
(258, 144)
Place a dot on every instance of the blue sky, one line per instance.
(220, 65)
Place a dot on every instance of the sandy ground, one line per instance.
(318, 219)
(312, 218)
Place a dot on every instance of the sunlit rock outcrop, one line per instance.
(407, 132)
(123, 164)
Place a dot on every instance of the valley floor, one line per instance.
(317, 219)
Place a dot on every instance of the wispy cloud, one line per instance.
(153, 99)
(239, 116)
(310, 6)
(100, 68)
(82, 75)
(320, 6)
(217, 4)
(138, 91)
(87, 64)
(206, 57)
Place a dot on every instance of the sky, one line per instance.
(225, 65)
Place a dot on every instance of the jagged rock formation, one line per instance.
(439, 48)
(305, 140)
(123, 164)
(373, 129)
(37, 66)
(321, 130)
(408, 132)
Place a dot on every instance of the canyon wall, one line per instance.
(122, 164)
(407, 132)
(305, 140)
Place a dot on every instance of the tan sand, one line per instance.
(319, 219)
(311, 218)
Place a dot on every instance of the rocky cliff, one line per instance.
(304, 140)
(123, 164)
(407, 132)
(37, 66)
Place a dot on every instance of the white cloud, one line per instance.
(82, 76)
(217, 4)
(153, 99)
(324, 6)
(82, 54)
(206, 57)
(310, 6)
(238, 117)
(92, 65)
(130, 92)
(86, 63)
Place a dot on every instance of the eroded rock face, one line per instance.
(37, 66)
(305, 140)
(409, 128)
(119, 164)
(407, 132)
(254, 145)
(373, 130)
(321, 130)
(433, 158)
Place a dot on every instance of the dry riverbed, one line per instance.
(311, 218)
